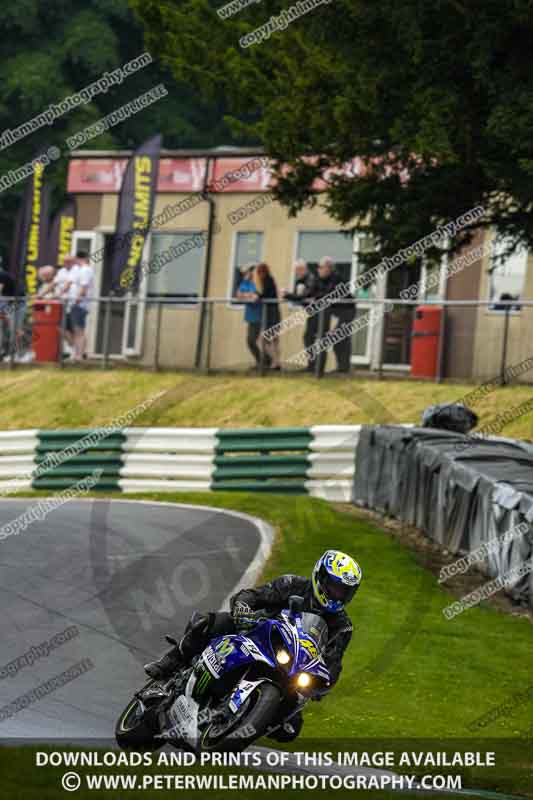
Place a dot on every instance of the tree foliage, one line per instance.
(443, 90)
(49, 51)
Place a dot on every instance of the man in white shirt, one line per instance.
(79, 293)
(61, 278)
(62, 281)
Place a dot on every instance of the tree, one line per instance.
(49, 51)
(440, 91)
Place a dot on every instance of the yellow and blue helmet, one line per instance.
(336, 578)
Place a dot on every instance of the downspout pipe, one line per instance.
(207, 265)
(442, 327)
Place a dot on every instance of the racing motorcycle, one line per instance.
(241, 687)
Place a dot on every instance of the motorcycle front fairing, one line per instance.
(280, 644)
(278, 650)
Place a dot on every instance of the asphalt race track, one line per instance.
(123, 573)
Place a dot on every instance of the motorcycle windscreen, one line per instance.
(317, 628)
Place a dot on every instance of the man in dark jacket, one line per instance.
(327, 282)
(304, 286)
(335, 580)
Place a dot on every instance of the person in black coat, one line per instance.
(270, 317)
(327, 282)
(304, 286)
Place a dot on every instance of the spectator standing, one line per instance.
(7, 284)
(47, 276)
(62, 282)
(61, 277)
(267, 290)
(247, 292)
(80, 293)
(7, 307)
(327, 282)
(304, 286)
(17, 308)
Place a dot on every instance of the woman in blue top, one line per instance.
(252, 313)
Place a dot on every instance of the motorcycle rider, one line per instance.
(335, 579)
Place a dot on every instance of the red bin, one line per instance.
(46, 329)
(425, 341)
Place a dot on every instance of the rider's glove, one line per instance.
(244, 617)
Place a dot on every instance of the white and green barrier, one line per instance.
(318, 461)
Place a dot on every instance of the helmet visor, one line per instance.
(335, 590)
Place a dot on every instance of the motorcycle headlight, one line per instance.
(280, 652)
(303, 680)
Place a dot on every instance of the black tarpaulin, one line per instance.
(464, 492)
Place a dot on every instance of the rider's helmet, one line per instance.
(336, 578)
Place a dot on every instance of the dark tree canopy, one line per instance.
(443, 89)
(50, 50)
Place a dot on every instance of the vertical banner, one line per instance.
(60, 237)
(31, 233)
(134, 214)
(16, 257)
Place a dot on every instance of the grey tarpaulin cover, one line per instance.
(461, 490)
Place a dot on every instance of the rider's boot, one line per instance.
(195, 638)
(166, 666)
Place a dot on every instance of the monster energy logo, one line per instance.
(203, 682)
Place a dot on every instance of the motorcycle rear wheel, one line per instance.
(264, 704)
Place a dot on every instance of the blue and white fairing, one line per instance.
(292, 644)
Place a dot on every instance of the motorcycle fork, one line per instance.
(287, 710)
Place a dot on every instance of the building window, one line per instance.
(431, 282)
(248, 250)
(364, 245)
(427, 273)
(179, 273)
(314, 245)
(507, 274)
(83, 244)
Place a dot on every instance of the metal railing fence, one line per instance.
(476, 339)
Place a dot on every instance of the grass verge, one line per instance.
(77, 399)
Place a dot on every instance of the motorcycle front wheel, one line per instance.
(262, 708)
(136, 727)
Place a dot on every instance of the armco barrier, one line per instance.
(318, 461)
(17, 459)
(168, 459)
(92, 451)
(462, 491)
